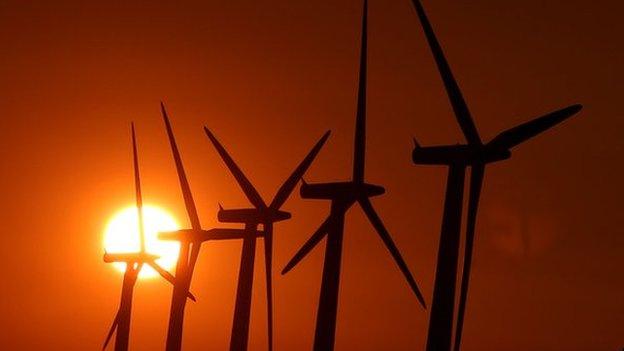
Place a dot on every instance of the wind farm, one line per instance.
(353, 175)
(445, 319)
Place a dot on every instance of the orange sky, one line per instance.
(269, 80)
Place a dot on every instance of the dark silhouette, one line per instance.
(252, 217)
(190, 243)
(134, 263)
(343, 195)
(476, 155)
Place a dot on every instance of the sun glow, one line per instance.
(122, 235)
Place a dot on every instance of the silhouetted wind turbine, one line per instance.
(343, 195)
(252, 217)
(476, 155)
(134, 262)
(190, 243)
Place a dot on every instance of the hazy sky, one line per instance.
(269, 78)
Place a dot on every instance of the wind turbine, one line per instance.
(252, 217)
(134, 263)
(343, 195)
(475, 154)
(190, 244)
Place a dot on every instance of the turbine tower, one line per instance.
(343, 196)
(252, 217)
(475, 154)
(134, 263)
(190, 243)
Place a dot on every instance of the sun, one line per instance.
(122, 235)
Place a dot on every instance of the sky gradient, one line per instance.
(268, 79)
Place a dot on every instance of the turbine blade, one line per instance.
(360, 118)
(184, 185)
(168, 277)
(476, 182)
(244, 183)
(227, 234)
(137, 186)
(111, 330)
(308, 246)
(291, 182)
(268, 261)
(523, 132)
(460, 108)
(385, 237)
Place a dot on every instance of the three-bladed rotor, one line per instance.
(261, 213)
(475, 154)
(348, 193)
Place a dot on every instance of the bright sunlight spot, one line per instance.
(122, 235)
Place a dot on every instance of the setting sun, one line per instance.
(122, 235)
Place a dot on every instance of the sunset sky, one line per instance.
(269, 78)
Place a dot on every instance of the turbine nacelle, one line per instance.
(458, 154)
(198, 236)
(129, 257)
(252, 215)
(347, 191)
